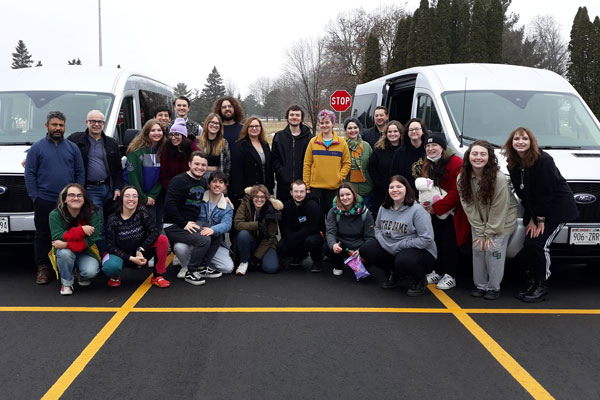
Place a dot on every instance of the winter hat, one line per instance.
(437, 137)
(179, 127)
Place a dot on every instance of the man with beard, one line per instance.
(232, 114)
(182, 108)
(288, 149)
(52, 163)
(373, 134)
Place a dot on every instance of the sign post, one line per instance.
(340, 101)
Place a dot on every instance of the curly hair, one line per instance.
(436, 171)
(326, 114)
(219, 142)
(384, 142)
(488, 178)
(238, 111)
(512, 157)
(143, 139)
(85, 213)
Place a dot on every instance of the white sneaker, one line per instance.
(432, 277)
(338, 272)
(66, 290)
(447, 282)
(182, 272)
(83, 282)
(175, 261)
(242, 268)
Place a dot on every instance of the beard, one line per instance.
(56, 135)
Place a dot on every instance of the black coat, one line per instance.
(300, 221)
(113, 156)
(288, 155)
(379, 169)
(371, 135)
(247, 170)
(408, 162)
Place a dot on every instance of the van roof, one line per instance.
(451, 77)
(67, 78)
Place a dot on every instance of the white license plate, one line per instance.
(4, 224)
(584, 236)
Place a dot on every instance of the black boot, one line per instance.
(538, 293)
(417, 288)
(526, 290)
(391, 282)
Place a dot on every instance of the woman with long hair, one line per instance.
(404, 243)
(548, 204)
(252, 165)
(408, 159)
(212, 142)
(256, 224)
(454, 231)
(492, 212)
(132, 239)
(380, 162)
(326, 162)
(75, 228)
(349, 224)
(143, 167)
(360, 152)
(176, 152)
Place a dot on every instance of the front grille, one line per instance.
(587, 212)
(15, 198)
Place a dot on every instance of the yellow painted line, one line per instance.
(59, 309)
(92, 348)
(289, 310)
(530, 311)
(529, 383)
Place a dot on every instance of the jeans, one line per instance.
(246, 244)
(221, 261)
(100, 196)
(66, 260)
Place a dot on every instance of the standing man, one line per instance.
(373, 134)
(163, 115)
(231, 112)
(102, 163)
(288, 149)
(182, 108)
(52, 163)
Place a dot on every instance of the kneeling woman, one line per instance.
(256, 224)
(405, 243)
(75, 227)
(132, 238)
(349, 225)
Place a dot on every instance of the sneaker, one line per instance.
(391, 282)
(160, 281)
(194, 278)
(114, 281)
(66, 290)
(83, 282)
(208, 272)
(491, 294)
(175, 261)
(242, 268)
(338, 272)
(417, 288)
(447, 282)
(43, 275)
(182, 272)
(433, 277)
(478, 293)
(317, 267)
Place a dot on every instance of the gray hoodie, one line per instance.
(404, 228)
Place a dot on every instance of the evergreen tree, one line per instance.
(443, 36)
(214, 88)
(579, 47)
(39, 64)
(372, 66)
(495, 28)
(460, 31)
(413, 39)
(422, 38)
(21, 57)
(181, 89)
(594, 98)
(76, 61)
(398, 60)
(478, 46)
(251, 106)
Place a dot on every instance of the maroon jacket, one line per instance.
(171, 167)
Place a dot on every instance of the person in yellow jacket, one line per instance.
(326, 162)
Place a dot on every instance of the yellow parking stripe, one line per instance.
(510, 364)
(59, 309)
(288, 310)
(90, 351)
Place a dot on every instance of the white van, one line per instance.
(488, 101)
(127, 100)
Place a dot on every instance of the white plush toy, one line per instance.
(429, 194)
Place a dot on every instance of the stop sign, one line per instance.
(340, 100)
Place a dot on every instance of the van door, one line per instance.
(427, 111)
(126, 120)
(399, 96)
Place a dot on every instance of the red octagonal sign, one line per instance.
(340, 100)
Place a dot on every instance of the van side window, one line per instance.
(126, 117)
(427, 112)
(149, 101)
(364, 108)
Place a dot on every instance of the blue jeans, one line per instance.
(246, 244)
(66, 260)
(100, 196)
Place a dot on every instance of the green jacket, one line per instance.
(59, 231)
(361, 163)
(143, 172)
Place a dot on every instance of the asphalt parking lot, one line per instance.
(295, 335)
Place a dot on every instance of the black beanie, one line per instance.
(437, 137)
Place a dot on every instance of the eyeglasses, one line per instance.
(214, 123)
(95, 122)
(254, 127)
(177, 134)
(130, 196)
(75, 195)
(414, 129)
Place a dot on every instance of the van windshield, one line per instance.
(23, 114)
(558, 120)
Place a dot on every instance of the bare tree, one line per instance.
(385, 21)
(231, 88)
(549, 46)
(305, 72)
(260, 88)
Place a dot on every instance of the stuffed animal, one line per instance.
(430, 194)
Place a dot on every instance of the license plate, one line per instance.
(584, 236)
(4, 224)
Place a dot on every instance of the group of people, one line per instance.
(211, 190)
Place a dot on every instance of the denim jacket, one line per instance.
(220, 219)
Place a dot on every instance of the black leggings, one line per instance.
(445, 240)
(535, 254)
(311, 244)
(414, 262)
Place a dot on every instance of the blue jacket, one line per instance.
(221, 218)
(50, 167)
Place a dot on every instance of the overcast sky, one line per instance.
(181, 41)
